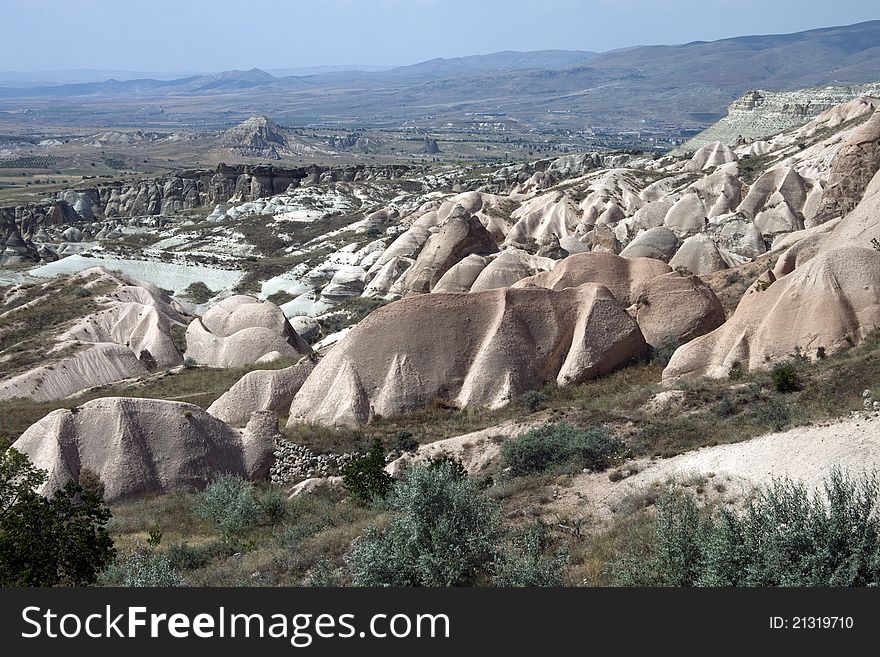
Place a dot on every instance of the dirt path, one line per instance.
(806, 454)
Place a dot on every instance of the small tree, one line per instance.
(365, 478)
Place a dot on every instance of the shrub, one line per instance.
(198, 292)
(182, 556)
(229, 503)
(405, 442)
(525, 563)
(784, 537)
(736, 372)
(787, 537)
(324, 575)
(785, 377)
(365, 478)
(533, 400)
(772, 413)
(154, 538)
(273, 507)
(91, 480)
(556, 444)
(443, 533)
(676, 559)
(190, 363)
(140, 568)
(733, 278)
(455, 465)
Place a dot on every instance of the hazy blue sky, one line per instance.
(175, 35)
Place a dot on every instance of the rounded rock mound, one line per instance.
(241, 330)
(831, 302)
(145, 446)
(474, 349)
(665, 304)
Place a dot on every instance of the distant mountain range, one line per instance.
(646, 85)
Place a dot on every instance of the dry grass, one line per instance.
(316, 530)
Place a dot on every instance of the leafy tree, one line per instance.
(18, 477)
(60, 540)
(365, 478)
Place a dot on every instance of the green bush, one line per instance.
(325, 575)
(405, 442)
(533, 400)
(784, 537)
(525, 563)
(736, 372)
(556, 444)
(182, 556)
(229, 503)
(443, 533)
(444, 460)
(365, 478)
(675, 558)
(140, 568)
(785, 377)
(273, 507)
(198, 292)
(773, 413)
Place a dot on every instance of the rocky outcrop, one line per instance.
(852, 169)
(460, 235)
(261, 390)
(711, 155)
(665, 304)
(699, 255)
(823, 294)
(239, 331)
(261, 137)
(14, 250)
(126, 330)
(830, 303)
(183, 190)
(659, 243)
(477, 349)
(763, 113)
(145, 446)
